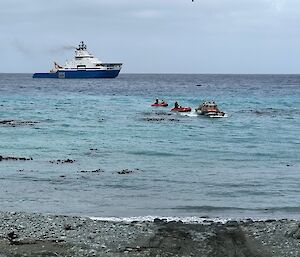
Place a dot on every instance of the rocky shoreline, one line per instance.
(23, 234)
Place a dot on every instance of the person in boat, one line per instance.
(156, 101)
(202, 107)
(176, 105)
(162, 101)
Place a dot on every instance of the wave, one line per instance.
(191, 219)
(207, 208)
(153, 153)
(272, 111)
(260, 214)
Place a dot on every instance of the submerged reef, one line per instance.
(15, 123)
(62, 161)
(13, 158)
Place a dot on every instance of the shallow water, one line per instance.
(245, 165)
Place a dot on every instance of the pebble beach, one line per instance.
(23, 234)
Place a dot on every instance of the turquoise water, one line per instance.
(245, 165)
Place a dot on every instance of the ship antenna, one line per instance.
(81, 46)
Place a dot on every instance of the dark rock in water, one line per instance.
(159, 116)
(68, 161)
(127, 171)
(160, 119)
(62, 161)
(8, 158)
(14, 123)
(154, 119)
(156, 113)
(271, 112)
(92, 171)
(199, 85)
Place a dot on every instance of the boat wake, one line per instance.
(190, 114)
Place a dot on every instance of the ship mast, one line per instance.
(81, 46)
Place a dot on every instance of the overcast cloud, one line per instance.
(154, 36)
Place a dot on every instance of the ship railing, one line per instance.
(111, 64)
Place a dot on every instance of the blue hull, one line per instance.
(84, 74)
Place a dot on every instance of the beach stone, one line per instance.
(204, 217)
(294, 232)
(234, 243)
(270, 220)
(68, 227)
(248, 221)
(12, 235)
(232, 223)
(157, 220)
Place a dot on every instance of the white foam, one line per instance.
(187, 220)
(189, 114)
(192, 219)
(193, 113)
(216, 116)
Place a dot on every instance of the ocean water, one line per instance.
(245, 165)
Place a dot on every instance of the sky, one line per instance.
(154, 36)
